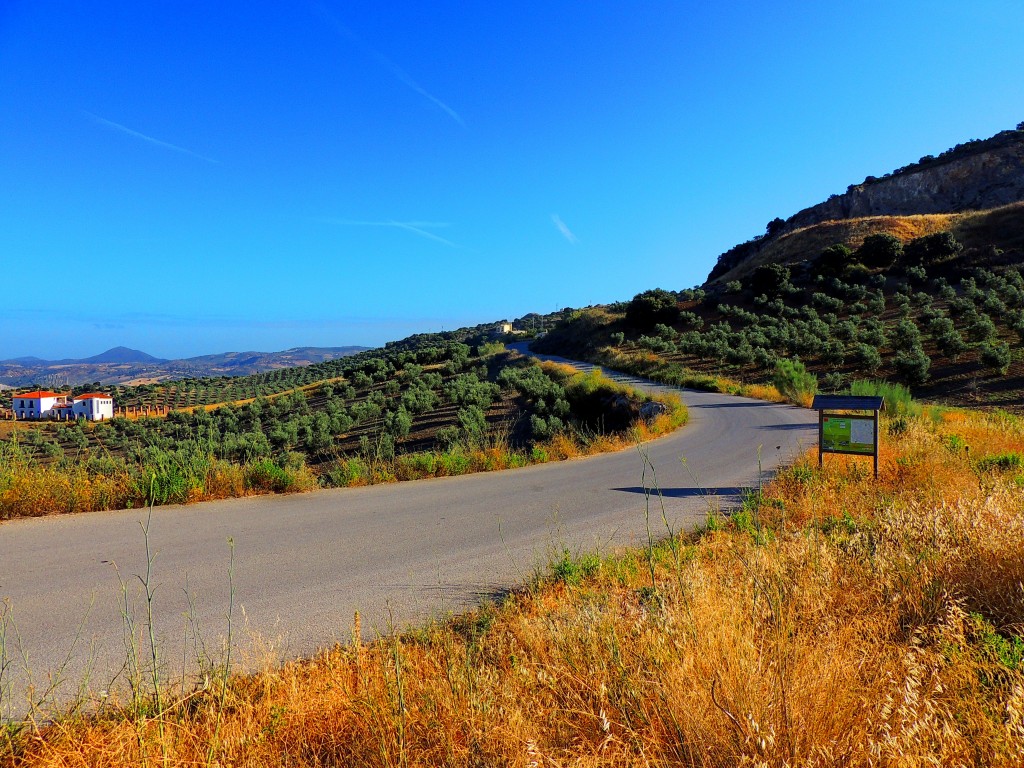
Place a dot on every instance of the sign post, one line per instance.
(840, 431)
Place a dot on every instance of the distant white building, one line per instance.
(94, 406)
(38, 405)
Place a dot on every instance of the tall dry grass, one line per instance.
(832, 621)
(30, 489)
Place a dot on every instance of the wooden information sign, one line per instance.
(840, 431)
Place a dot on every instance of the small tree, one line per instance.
(947, 337)
(770, 279)
(996, 355)
(473, 424)
(931, 249)
(867, 357)
(774, 227)
(981, 328)
(913, 364)
(879, 251)
(834, 259)
(906, 335)
(833, 353)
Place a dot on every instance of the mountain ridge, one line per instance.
(121, 365)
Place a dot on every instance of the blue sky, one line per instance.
(197, 177)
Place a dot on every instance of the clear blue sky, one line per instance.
(197, 177)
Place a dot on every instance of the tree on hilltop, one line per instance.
(651, 307)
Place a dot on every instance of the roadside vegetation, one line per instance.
(831, 620)
(915, 312)
(407, 413)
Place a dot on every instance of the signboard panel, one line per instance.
(848, 434)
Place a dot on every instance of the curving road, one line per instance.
(304, 564)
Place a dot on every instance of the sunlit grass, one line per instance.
(834, 620)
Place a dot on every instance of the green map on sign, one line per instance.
(848, 433)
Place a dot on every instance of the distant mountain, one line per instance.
(122, 355)
(122, 365)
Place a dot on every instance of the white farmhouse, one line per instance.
(38, 405)
(94, 406)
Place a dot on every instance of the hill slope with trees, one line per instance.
(974, 176)
(934, 301)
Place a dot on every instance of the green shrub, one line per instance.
(906, 335)
(651, 307)
(898, 400)
(834, 259)
(771, 280)
(1001, 461)
(473, 424)
(981, 328)
(794, 381)
(266, 475)
(572, 570)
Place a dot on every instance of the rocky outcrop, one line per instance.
(986, 178)
(975, 176)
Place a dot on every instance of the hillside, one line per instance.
(933, 299)
(991, 238)
(975, 176)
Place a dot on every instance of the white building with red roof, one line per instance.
(38, 405)
(94, 406)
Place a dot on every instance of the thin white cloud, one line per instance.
(149, 139)
(423, 233)
(400, 74)
(391, 223)
(416, 227)
(566, 232)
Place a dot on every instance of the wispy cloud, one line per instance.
(566, 232)
(400, 74)
(166, 145)
(416, 227)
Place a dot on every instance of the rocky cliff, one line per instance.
(977, 175)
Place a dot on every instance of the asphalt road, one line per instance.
(303, 564)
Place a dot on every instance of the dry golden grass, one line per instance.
(840, 622)
(36, 490)
(1000, 227)
(808, 242)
